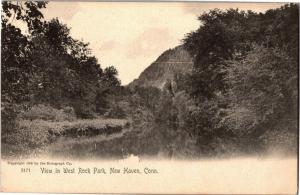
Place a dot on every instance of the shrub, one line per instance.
(116, 112)
(25, 138)
(44, 112)
(84, 110)
(8, 117)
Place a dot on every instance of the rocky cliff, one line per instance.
(169, 63)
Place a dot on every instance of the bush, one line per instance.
(24, 139)
(84, 110)
(116, 112)
(44, 112)
(8, 117)
(141, 116)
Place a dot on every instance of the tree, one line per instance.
(244, 75)
(48, 66)
(67, 74)
(110, 77)
(28, 12)
(264, 90)
(224, 34)
(15, 47)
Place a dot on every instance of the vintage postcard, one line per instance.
(149, 97)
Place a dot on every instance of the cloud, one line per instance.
(150, 41)
(108, 45)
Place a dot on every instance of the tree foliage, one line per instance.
(47, 65)
(244, 81)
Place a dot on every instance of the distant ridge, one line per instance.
(169, 63)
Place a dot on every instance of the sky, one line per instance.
(131, 35)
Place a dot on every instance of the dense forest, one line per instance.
(240, 97)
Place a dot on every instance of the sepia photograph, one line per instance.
(149, 97)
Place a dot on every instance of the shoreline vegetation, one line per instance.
(239, 98)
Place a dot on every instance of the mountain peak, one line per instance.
(169, 63)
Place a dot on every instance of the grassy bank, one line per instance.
(31, 136)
